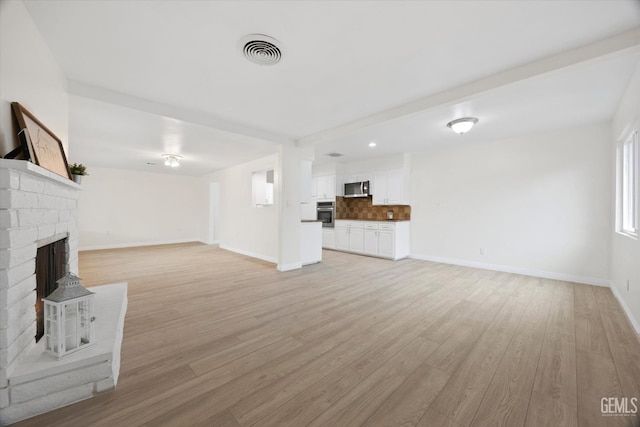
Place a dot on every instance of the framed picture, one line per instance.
(43, 146)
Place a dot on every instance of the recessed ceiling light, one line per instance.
(372, 144)
(462, 125)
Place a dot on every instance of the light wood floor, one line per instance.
(214, 338)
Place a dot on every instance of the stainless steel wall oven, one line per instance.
(326, 213)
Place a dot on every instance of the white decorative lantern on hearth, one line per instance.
(68, 318)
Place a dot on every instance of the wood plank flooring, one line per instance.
(214, 338)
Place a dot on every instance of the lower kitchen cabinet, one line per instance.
(376, 238)
(349, 236)
(328, 238)
(356, 240)
(342, 239)
(371, 241)
(386, 244)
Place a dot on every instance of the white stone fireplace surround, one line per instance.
(38, 207)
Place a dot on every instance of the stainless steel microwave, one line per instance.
(356, 189)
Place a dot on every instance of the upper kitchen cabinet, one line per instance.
(388, 188)
(357, 178)
(325, 187)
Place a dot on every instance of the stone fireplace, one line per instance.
(38, 208)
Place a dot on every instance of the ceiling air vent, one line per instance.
(261, 49)
(335, 154)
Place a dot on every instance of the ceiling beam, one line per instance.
(618, 44)
(184, 114)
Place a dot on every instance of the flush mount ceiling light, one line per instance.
(462, 125)
(171, 160)
(261, 49)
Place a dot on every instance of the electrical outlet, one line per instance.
(481, 251)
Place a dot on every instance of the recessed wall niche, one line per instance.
(262, 188)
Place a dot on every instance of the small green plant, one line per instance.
(78, 169)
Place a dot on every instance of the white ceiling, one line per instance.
(584, 94)
(353, 71)
(110, 135)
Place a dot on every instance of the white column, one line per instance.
(288, 175)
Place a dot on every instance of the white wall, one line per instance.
(625, 251)
(214, 214)
(392, 161)
(537, 203)
(119, 208)
(28, 75)
(243, 228)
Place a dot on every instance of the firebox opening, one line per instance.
(51, 265)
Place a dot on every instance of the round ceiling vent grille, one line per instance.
(261, 49)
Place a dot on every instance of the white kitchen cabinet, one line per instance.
(379, 188)
(376, 238)
(328, 238)
(379, 239)
(396, 193)
(388, 188)
(326, 187)
(356, 240)
(342, 238)
(371, 241)
(386, 243)
(350, 236)
(340, 185)
(365, 176)
(314, 188)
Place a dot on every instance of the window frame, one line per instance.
(628, 183)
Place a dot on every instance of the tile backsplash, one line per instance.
(362, 208)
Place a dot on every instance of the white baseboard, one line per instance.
(517, 270)
(626, 309)
(289, 267)
(249, 253)
(137, 244)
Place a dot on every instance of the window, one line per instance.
(628, 165)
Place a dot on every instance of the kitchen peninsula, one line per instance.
(311, 241)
